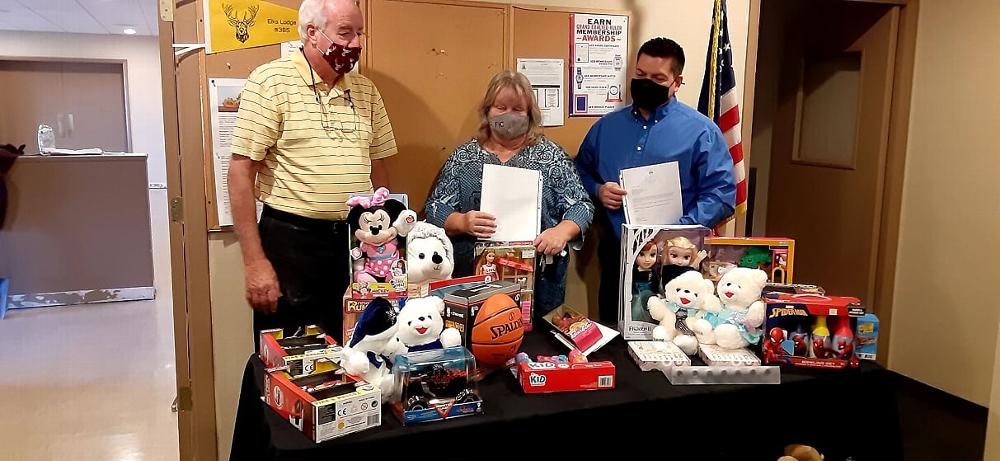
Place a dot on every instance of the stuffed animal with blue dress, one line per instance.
(738, 323)
(687, 299)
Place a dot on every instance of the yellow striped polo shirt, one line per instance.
(316, 151)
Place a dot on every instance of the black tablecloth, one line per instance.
(847, 414)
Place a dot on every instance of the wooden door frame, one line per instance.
(887, 232)
(189, 267)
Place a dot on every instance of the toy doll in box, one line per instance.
(512, 262)
(645, 281)
(378, 225)
(775, 256)
(681, 252)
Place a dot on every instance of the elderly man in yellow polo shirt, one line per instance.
(309, 134)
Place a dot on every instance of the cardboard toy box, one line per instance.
(813, 331)
(298, 353)
(353, 307)
(866, 337)
(461, 306)
(324, 405)
(637, 286)
(513, 262)
(547, 377)
(776, 256)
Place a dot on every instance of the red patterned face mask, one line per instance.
(341, 58)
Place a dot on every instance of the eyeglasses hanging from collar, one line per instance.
(327, 119)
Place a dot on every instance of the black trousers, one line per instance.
(311, 258)
(609, 250)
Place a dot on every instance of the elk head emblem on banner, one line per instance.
(242, 25)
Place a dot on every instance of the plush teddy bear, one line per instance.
(420, 327)
(377, 222)
(737, 325)
(429, 254)
(369, 354)
(686, 300)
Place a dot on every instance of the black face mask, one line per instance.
(648, 95)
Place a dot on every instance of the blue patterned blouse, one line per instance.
(459, 189)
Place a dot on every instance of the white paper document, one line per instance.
(653, 194)
(546, 77)
(514, 197)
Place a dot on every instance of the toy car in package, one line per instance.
(323, 405)
(300, 352)
(436, 385)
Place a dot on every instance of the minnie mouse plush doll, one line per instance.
(378, 222)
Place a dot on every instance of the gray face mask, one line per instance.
(511, 125)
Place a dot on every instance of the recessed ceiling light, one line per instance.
(129, 31)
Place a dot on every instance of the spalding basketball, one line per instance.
(497, 331)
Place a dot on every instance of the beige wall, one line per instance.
(944, 320)
(686, 21)
(231, 331)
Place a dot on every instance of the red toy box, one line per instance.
(809, 330)
(324, 405)
(297, 353)
(547, 377)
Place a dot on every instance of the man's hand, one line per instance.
(611, 195)
(479, 224)
(262, 286)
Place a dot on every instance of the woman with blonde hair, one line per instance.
(510, 134)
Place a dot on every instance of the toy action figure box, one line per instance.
(297, 353)
(462, 305)
(652, 256)
(378, 223)
(353, 307)
(513, 262)
(436, 385)
(772, 255)
(815, 331)
(324, 405)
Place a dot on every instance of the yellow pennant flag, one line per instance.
(238, 24)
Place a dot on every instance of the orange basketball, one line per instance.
(497, 332)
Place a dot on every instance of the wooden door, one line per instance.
(432, 62)
(830, 138)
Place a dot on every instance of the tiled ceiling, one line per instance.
(79, 16)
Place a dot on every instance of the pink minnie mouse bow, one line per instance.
(378, 199)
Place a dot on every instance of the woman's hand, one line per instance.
(553, 240)
(479, 224)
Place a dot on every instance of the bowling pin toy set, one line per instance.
(817, 331)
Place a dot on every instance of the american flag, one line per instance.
(718, 100)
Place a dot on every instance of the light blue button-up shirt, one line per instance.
(674, 133)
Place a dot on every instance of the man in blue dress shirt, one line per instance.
(656, 128)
